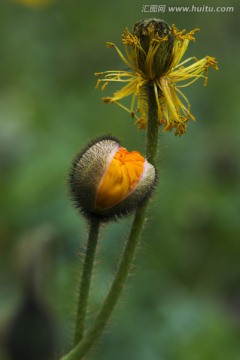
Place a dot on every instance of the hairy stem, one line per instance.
(152, 125)
(79, 351)
(86, 280)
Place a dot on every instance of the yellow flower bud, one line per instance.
(107, 181)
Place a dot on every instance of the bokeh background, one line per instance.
(182, 301)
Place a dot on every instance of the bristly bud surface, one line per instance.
(107, 181)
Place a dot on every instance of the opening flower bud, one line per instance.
(107, 181)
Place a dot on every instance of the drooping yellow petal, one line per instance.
(154, 55)
(121, 177)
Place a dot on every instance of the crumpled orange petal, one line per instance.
(122, 176)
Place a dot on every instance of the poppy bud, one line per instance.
(107, 181)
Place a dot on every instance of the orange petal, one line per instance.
(120, 179)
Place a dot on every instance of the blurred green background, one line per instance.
(183, 300)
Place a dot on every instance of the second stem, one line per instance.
(86, 280)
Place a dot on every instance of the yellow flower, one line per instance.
(107, 181)
(154, 53)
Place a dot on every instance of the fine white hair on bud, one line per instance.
(107, 181)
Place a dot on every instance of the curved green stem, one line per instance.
(96, 329)
(86, 280)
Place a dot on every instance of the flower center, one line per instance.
(156, 47)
